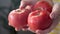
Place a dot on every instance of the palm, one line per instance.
(55, 15)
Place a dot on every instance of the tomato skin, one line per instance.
(18, 18)
(39, 20)
(44, 5)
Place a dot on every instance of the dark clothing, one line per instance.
(5, 7)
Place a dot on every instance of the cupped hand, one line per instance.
(55, 16)
(24, 3)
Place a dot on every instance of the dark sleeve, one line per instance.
(5, 7)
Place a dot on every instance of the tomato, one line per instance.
(18, 18)
(39, 20)
(43, 5)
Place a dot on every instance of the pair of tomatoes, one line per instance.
(36, 18)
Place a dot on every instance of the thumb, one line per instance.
(55, 15)
(22, 4)
(55, 11)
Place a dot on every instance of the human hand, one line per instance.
(42, 31)
(24, 3)
(55, 16)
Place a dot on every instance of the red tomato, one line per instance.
(43, 5)
(18, 18)
(39, 20)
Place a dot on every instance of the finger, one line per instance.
(28, 7)
(55, 16)
(31, 30)
(17, 28)
(55, 11)
(40, 32)
(31, 1)
(22, 5)
(9, 24)
(25, 28)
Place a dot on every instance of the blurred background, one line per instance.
(5, 7)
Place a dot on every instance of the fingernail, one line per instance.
(17, 29)
(24, 29)
(38, 31)
(9, 24)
